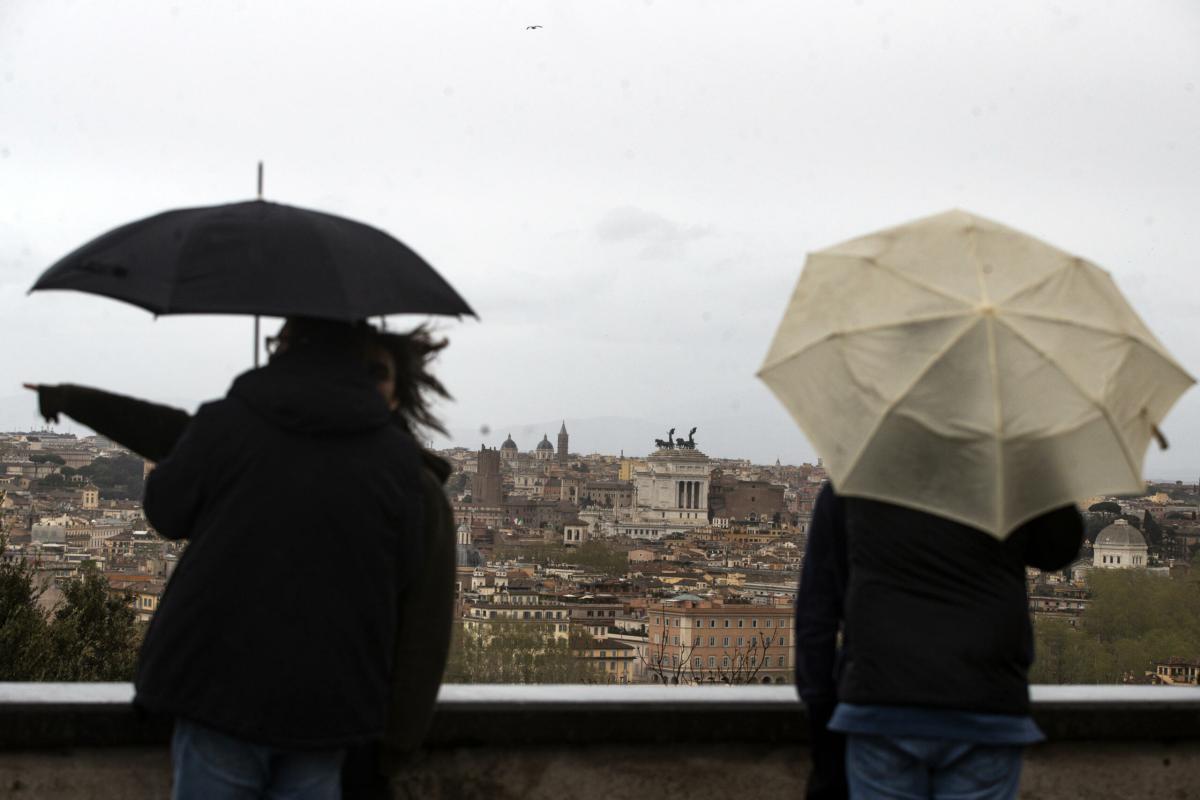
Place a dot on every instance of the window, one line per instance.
(741, 623)
(712, 661)
(712, 623)
(725, 661)
(697, 662)
(712, 641)
(766, 661)
(675, 640)
(768, 622)
(753, 623)
(725, 642)
(726, 623)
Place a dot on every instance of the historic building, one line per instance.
(670, 491)
(672, 486)
(563, 440)
(485, 483)
(748, 501)
(696, 640)
(545, 450)
(509, 451)
(1119, 546)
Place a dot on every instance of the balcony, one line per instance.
(582, 742)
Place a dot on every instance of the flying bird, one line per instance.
(532, 27)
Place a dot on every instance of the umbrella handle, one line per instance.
(1158, 437)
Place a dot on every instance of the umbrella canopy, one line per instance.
(960, 367)
(256, 258)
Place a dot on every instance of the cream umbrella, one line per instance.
(963, 368)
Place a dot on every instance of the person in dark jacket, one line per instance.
(273, 643)
(425, 604)
(933, 692)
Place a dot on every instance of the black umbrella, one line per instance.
(256, 258)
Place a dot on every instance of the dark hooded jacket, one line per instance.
(302, 507)
(935, 612)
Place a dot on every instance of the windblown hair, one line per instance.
(412, 353)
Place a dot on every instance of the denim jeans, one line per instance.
(900, 768)
(209, 765)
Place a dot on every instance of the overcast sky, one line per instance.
(626, 195)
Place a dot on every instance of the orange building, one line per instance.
(693, 640)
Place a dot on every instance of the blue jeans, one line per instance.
(209, 765)
(900, 768)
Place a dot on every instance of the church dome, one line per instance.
(544, 444)
(509, 444)
(1120, 534)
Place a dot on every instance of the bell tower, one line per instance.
(562, 443)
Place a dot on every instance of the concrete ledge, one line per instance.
(593, 742)
(48, 715)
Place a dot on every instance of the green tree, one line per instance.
(93, 635)
(538, 553)
(511, 651)
(118, 477)
(89, 636)
(47, 458)
(1107, 506)
(1133, 620)
(22, 623)
(52, 481)
(598, 557)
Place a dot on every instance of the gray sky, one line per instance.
(626, 195)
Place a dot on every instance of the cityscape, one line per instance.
(662, 567)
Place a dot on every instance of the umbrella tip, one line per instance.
(260, 179)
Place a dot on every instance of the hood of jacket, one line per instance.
(313, 393)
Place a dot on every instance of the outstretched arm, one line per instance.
(148, 429)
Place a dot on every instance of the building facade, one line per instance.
(694, 640)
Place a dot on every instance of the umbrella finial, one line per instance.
(260, 176)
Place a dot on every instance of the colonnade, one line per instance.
(687, 494)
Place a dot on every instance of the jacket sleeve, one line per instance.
(1052, 541)
(819, 601)
(423, 639)
(177, 487)
(148, 429)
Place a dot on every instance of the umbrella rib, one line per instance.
(1090, 326)
(902, 396)
(994, 367)
(997, 406)
(904, 277)
(862, 329)
(1129, 459)
(1037, 282)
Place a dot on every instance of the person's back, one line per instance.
(302, 507)
(938, 642)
